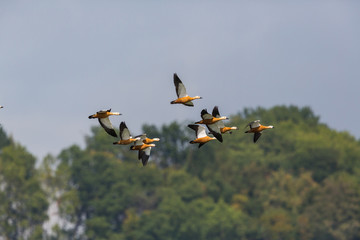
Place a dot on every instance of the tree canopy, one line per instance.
(299, 181)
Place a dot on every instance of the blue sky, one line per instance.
(61, 61)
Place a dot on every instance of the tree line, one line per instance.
(299, 181)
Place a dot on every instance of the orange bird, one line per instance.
(144, 149)
(256, 128)
(201, 136)
(103, 117)
(125, 136)
(220, 123)
(183, 97)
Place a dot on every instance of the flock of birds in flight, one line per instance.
(143, 144)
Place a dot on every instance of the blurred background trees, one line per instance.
(299, 181)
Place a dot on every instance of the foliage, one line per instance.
(299, 181)
(23, 202)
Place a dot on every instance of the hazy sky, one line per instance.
(61, 61)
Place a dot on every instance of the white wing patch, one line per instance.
(147, 151)
(200, 133)
(181, 90)
(125, 134)
(255, 124)
(106, 122)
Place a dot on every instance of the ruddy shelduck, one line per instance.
(211, 122)
(220, 124)
(103, 117)
(183, 97)
(144, 149)
(201, 136)
(125, 136)
(257, 128)
(150, 140)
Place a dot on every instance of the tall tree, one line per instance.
(23, 202)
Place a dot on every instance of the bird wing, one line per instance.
(140, 140)
(205, 115)
(215, 130)
(215, 112)
(254, 124)
(106, 124)
(179, 86)
(256, 136)
(124, 132)
(200, 130)
(103, 111)
(145, 155)
(189, 103)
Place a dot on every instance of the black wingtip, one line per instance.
(218, 136)
(201, 144)
(113, 133)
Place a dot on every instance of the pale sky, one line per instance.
(61, 61)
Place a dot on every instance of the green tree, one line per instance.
(173, 145)
(335, 211)
(4, 139)
(23, 202)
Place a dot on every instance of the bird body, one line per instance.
(150, 140)
(141, 147)
(211, 121)
(103, 117)
(227, 129)
(186, 100)
(103, 114)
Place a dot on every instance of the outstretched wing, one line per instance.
(215, 130)
(200, 130)
(205, 115)
(215, 112)
(144, 155)
(124, 132)
(256, 136)
(108, 127)
(179, 86)
(254, 124)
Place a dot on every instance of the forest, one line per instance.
(299, 181)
